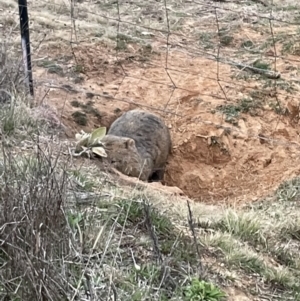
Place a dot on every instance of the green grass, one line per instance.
(246, 105)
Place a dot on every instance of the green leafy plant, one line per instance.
(90, 142)
(200, 290)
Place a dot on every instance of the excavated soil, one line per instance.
(213, 160)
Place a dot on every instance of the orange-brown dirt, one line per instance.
(212, 160)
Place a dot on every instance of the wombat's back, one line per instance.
(151, 135)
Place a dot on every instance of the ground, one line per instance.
(235, 134)
(212, 159)
(235, 131)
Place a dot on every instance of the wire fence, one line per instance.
(255, 40)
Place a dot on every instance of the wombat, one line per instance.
(138, 144)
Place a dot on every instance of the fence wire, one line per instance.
(249, 42)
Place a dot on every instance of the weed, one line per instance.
(245, 226)
(258, 94)
(146, 49)
(261, 65)
(78, 79)
(80, 118)
(283, 255)
(231, 112)
(202, 290)
(206, 39)
(277, 108)
(121, 45)
(89, 109)
(249, 105)
(75, 221)
(99, 34)
(86, 108)
(248, 262)
(291, 229)
(247, 44)
(52, 67)
(124, 37)
(16, 118)
(288, 47)
(280, 84)
(82, 181)
(134, 213)
(150, 273)
(90, 95)
(222, 241)
(75, 103)
(288, 8)
(78, 68)
(281, 278)
(226, 40)
(289, 191)
(245, 105)
(122, 40)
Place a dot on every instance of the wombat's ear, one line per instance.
(129, 143)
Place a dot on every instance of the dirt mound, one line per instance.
(229, 142)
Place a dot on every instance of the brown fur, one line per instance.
(138, 144)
